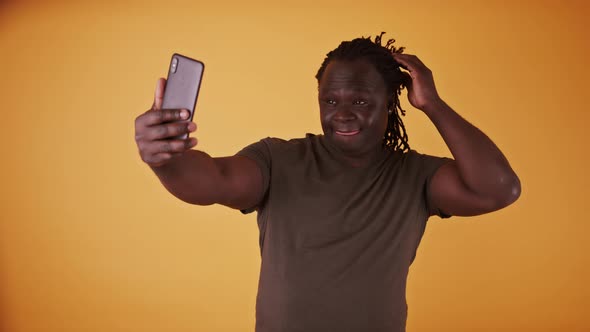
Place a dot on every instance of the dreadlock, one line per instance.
(379, 56)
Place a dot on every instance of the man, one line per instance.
(340, 214)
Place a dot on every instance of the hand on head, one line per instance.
(418, 80)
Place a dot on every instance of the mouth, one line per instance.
(346, 132)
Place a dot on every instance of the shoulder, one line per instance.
(417, 158)
(410, 159)
(418, 165)
(308, 139)
(413, 155)
(273, 147)
(276, 144)
(276, 141)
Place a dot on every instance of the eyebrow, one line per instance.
(354, 89)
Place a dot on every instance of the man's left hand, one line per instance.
(422, 92)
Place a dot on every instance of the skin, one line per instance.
(353, 114)
(190, 175)
(352, 96)
(353, 109)
(480, 179)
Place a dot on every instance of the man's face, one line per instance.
(353, 106)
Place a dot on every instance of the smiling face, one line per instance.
(353, 107)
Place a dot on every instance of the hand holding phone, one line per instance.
(156, 129)
(161, 133)
(183, 85)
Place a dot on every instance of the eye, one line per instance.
(330, 101)
(359, 102)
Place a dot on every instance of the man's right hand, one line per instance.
(196, 178)
(155, 129)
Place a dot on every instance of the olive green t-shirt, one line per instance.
(337, 241)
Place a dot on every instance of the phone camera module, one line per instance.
(174, 65)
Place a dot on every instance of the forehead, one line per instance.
(351, 75)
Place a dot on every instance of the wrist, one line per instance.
(434, 106)
(164, 171)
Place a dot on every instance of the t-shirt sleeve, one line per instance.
(428, 167)
(259, 152)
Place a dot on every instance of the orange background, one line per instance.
(90, 240)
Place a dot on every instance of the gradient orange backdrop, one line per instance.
(90, 240)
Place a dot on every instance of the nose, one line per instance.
(344, 114)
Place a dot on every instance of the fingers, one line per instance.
(409, 62)
(162, 158)
(159, 93)
(402, 62)
(171, 146)
(407, 80)
(157, 131)
(157, 153)
(158, 116)
(167, 130)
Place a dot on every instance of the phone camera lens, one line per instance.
(174, 65)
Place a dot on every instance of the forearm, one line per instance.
(482, 166)
(193, 177)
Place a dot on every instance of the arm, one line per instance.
(197, 178)
(480, 179)
(190, 175)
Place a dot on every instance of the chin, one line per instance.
(352, 144)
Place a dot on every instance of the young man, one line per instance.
(340, 214)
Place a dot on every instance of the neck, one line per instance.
(358, 159)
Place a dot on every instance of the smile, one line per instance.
(347, 133)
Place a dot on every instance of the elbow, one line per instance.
(510, 192)
(191, 199)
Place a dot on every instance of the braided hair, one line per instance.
(395, 136)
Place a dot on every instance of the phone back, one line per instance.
(183, 83)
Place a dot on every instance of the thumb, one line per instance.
(159, 93)
(407, 81)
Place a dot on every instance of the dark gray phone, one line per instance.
(182, 85)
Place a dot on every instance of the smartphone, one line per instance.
(182, 85)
